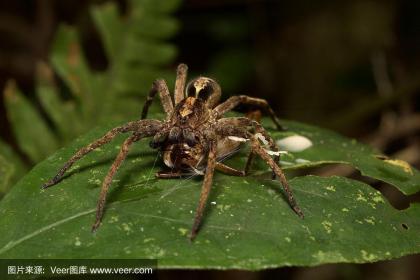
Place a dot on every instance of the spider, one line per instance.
(193, 138)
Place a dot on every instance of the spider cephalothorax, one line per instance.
(193, 138)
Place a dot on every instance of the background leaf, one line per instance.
(248, 225)
(330, 147)
(137, 54)
(11, 168)
(32, 133)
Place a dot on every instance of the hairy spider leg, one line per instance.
(244, 122)
(233, 171)
(159, 86)
(272, 144)
(108, 179)
(258, 149)
(205, 190)
(234, 101)
(181, 79)
(131, 126)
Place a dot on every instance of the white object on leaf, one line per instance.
(295, 143)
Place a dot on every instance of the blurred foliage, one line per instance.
(11, 168)
(137, 50)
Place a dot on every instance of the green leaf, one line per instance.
(329, 147)
(11, 168)
(31, 131)
(63, 113)
(248, 223)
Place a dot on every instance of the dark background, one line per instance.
(352, 66)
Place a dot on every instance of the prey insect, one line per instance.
(193, 138)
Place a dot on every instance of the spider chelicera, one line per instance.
(193, 138)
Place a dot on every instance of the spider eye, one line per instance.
(205, 92)
(191, 90)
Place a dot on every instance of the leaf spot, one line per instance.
(378, 198)
(127, 228)
(222, 207)
(370, 220)
(77, 242)
(360, 196)
(402, 164)
(155, 251)
(94, 181)
(330, 188)
(373, 205)
(73, 168)
(327, 225)
(136, 160)
(127, 250)
(183, 231)
(113, 219)
(322, 256)
(368, 257)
